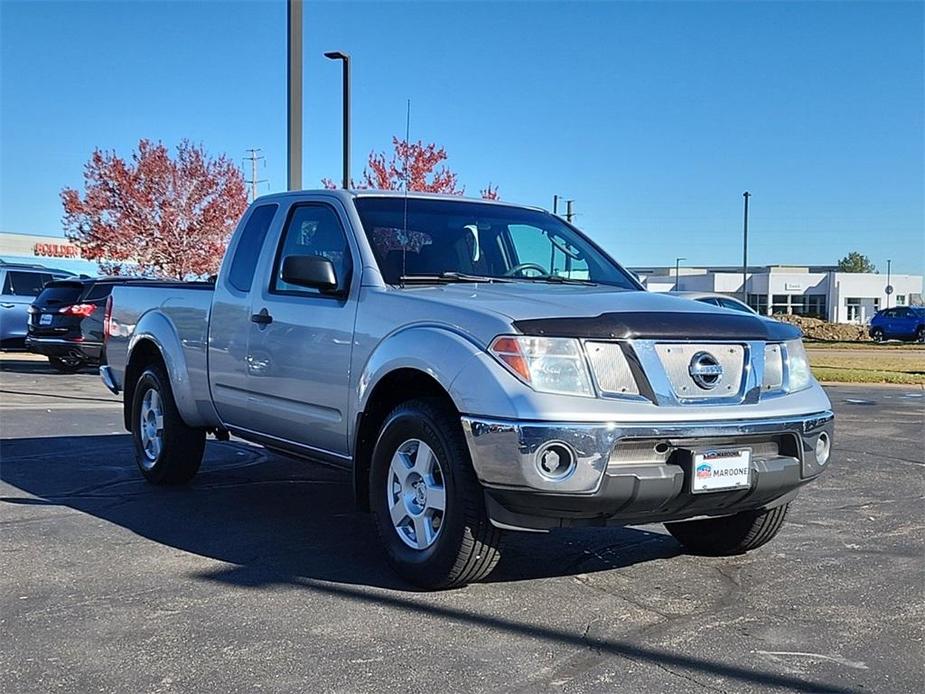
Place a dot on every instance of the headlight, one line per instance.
(799, 375)
(546, 364)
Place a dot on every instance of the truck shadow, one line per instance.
(22, 365)
(274, 521)
(274, 515)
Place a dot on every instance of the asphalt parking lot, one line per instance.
(260, 576)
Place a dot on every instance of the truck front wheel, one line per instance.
(166, 450)
(428, 506)
(731, 534)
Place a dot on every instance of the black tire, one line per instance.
(467, 545)
(180, 447)
(877, 335)
(736, 534)
(66, 365)
(920, 334)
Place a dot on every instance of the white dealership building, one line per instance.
(818, 291)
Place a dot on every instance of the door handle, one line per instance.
(262, 318)
(5, 305)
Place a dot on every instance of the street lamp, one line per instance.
(677, 270)
(889, 287)
(338, 55)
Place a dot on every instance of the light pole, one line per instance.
(294, 95)
(677, 270)
(338, 55)
(889, 287)
(746, 195)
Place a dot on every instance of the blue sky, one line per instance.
(654, 117)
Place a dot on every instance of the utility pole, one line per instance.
(745, 195)
(568, 211)
(254, 181)
(294, 95)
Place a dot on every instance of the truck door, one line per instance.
(300, 340)
(229, 322)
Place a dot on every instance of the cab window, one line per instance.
(313, 229)
(244, 263)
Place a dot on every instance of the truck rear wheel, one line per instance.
(166, 449)
(731, 534)
(428, 506)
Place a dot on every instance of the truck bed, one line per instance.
(179, 312)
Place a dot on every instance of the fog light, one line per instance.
(823, 449)
(555, 461)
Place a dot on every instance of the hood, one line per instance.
(602, 312)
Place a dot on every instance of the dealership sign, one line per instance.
(56, 250)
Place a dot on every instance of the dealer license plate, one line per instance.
(721, 469)
(45, 319)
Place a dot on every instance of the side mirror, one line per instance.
(313, 271)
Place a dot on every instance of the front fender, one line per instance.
(156, 328)
(437, 351)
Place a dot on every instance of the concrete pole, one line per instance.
(294, 96)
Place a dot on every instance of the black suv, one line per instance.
(66, 321)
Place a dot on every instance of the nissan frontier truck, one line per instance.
(478, 367)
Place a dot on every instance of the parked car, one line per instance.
(66, 321)
(478, 367)
(721, 300)
(899, 323)
(21, 283)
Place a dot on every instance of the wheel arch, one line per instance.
(143, 353)
(397, 386)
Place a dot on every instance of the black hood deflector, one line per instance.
(662, 325)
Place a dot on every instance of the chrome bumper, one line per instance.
(505, 453)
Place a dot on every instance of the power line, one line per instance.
(254, 181)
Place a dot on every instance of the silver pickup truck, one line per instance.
(478, 367)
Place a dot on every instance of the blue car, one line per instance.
(900, 323)
(20, 283)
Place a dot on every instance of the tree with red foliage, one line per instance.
(154, 215)
(422, 172)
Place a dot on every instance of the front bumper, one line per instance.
(63, 347)
(635, 473)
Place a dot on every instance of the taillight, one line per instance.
(107, 316)
(82, 310)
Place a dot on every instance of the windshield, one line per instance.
(456, 240)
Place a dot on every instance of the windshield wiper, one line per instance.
(558, 279)
(450, 276)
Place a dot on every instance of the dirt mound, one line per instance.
(815, 329)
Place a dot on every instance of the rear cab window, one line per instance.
(247, 251)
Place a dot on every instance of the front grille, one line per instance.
(611, 369)
(676, 360)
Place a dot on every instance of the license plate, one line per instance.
(45, 319)
(721, 469)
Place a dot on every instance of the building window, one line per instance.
(854, 309)
(780, 303)
(811, 305)
(759, 302)
(900, 299)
